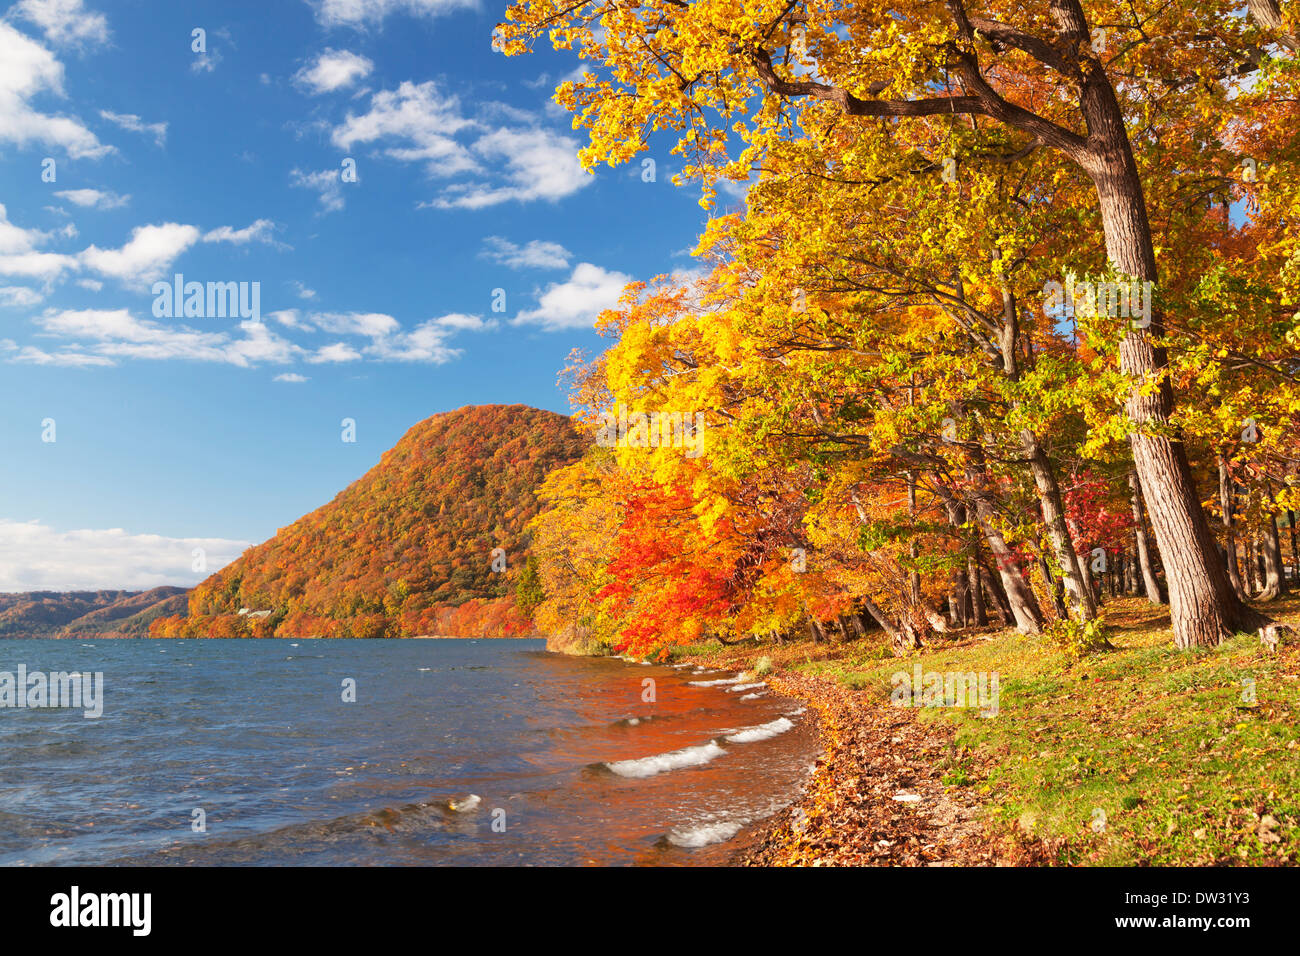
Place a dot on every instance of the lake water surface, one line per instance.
(454, 752)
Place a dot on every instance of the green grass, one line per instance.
(1165, 743)
(674, 653)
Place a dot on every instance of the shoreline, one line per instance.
(1139, 754)
(877, 795)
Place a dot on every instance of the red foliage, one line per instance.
(1097, 517)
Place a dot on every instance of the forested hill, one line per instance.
(86, 614)
(407, 549)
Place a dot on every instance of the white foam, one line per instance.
(739, 687)
(704, 834)
(761, 693)
(466, 805)
(761, 731)
(673, 760)
(715, 683)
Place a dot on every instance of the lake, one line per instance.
(448, 752)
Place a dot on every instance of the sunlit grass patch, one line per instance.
(1142, 754)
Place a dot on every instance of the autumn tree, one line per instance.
(1076, 79)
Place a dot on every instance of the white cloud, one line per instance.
(117, 334)
(259, 231)
(258, 345)
(147, 255)
(93, 198)
(27, 69)
(336, 353)
(14, 238)
(289, 319)
(302, 291)
(359, 13)
(105, 336)
(537, 254)
(291, 377)
(333, 70)
(64, 22)
(20, 257)
(538, 164)
(418, 123)
(575, 303)
(388, 341)
(19, 297)
(152, 249)
(464, 323)
(427, 342)
(36, 265)
(30, 355)
(36, 557)
(326, 182)
(421, 117)
(133, 123)
(205, 62)
(94, 285)
(375, 325)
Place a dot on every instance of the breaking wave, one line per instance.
(673, 760)
(761, 731)
(704, 834)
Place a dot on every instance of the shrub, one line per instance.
(1080, 639)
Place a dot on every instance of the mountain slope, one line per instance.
(87, 613)
(407, 548)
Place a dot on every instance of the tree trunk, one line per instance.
(1049, 499)
(958, 599)
(1089, 575)
(1295, 552)
(997, 598)
(1251, 564)
(1054, 588)
(1273, 545)
(1150, 583)
(1227, 508)
(958, 515)
(1024, 606)
(1271, 552)
(1203, 605)
(814, 631)
(902, 638)
(978, 617)
(913, 549)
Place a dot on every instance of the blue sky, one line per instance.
(376, 296)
